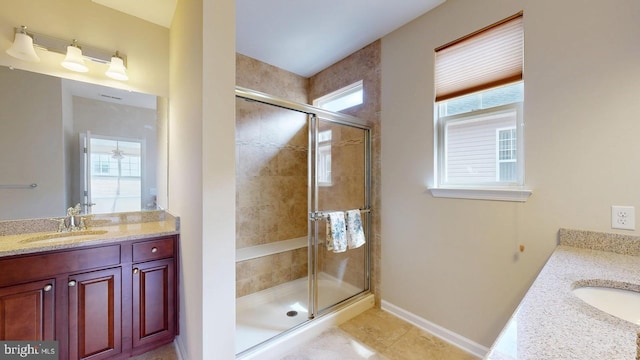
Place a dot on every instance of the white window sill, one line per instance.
(498, 194)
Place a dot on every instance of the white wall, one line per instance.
(146, 45)
(202, 173)
(455, 262)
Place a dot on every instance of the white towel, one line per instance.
(355, 233)
(336, 232)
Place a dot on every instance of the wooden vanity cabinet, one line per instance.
(98, 302)
(154, 292)
(27, 311)
(95, 308)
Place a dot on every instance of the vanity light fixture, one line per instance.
(74, 61)
(22, 47)
(116, 68)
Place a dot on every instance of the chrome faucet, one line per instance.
(68, 223)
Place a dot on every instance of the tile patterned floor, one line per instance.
(167, 352)
(372, 335)
(376, 334)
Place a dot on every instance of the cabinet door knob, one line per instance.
(72, 283)
(135, 270)
(48, 287)
(154, 249)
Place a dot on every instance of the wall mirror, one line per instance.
(64, 142)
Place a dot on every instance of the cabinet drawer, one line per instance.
(154, 249)
(34, 267)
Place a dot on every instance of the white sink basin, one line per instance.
(624, 304)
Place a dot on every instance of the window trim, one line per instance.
(340, 93)
(498, 194)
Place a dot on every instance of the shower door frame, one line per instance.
(315, 114)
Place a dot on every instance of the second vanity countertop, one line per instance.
(551, 322)
(107, 231)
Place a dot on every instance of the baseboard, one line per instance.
(180, 349)
(436, 330)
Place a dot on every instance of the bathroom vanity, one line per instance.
(106, 294)
(552, 322)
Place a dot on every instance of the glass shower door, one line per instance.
(340, 183)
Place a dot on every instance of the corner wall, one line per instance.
(202, 173)
(456, 262)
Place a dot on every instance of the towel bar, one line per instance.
(320, 215)
(18, 186)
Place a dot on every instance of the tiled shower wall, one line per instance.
(362, 65)
(262, 164)
(271, 176)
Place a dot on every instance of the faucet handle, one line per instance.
(83, 223)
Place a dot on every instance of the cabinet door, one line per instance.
(27, 311)
(95, 314)
(153, 302)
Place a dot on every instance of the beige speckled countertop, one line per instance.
(17, 237)
(552, 323)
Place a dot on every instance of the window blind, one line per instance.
(487, 58)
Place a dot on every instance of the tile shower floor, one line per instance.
(372, 335)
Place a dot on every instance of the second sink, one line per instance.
(624, 304)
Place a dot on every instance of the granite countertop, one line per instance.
(31, 236)
(552, 323)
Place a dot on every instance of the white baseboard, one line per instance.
(180, 349)
(436, 330)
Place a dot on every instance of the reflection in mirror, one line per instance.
(64, 142)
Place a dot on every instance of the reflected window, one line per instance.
(324, 158)
(115, 175)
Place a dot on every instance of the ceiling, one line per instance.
(300, 36)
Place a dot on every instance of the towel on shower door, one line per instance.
(355, 233)
(336, 232)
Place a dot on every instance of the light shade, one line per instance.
(74, 61)
(116, 69)
(22, 47)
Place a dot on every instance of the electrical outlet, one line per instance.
(623, 217)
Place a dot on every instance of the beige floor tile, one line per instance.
(419, 345)
(334, 344)
(166, 352)
(376, 328)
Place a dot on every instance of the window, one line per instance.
(507, 155)
(344, 98)
(478, 122)
(324, 158)
(478, 136)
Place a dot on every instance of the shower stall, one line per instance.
(295, 164)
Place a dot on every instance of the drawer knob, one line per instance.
(135, 270)
(48, 287)
(72, 283)
(154, 249)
